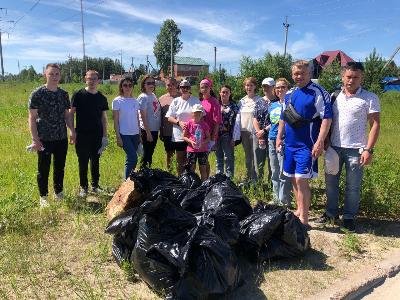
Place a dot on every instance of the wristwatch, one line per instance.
(370, 150)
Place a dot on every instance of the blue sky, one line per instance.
(51, 30)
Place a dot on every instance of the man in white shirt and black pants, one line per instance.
(353, 109)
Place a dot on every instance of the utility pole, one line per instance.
(391, 58)
(215, 59)
(286, 25)
(147, 64)
(1, 56)
(70, 68)
(172, 60)
(83, 38)
(121, 61)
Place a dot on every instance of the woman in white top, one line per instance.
(126, 123)
(244, 128)
(150, 119)
(179, 112)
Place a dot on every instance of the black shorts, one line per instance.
(168, 144)
(180, 146)
(201, 157)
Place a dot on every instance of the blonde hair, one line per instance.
(251, 80)
(284, 80)
(302, 64)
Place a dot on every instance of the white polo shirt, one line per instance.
(350, 118)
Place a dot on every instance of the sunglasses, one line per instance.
(127, 85)
(150, 83)
(185, 87)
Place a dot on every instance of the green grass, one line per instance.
(24, 227)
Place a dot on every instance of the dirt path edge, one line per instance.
(363, 281)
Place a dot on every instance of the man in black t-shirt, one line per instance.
(90, 107)
(48, 114)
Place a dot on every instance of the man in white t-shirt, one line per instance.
(353, 109)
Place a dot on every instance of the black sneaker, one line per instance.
(349, 225)
(325, 220)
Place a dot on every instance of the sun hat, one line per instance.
(198, 107)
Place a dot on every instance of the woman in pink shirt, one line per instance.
(212, 109)
(197, 134)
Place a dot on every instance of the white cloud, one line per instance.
(228, 32)
(270, 46)
(205, 50)
(306, 47)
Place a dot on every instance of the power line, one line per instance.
(29, 10)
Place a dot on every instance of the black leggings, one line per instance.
(59, 150)
(148, 148)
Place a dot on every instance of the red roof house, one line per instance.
(328, 57)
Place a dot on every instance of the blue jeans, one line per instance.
(281, 185)
(354, 172)
(225, 152)
(130, 146)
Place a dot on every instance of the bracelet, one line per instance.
(177, 123)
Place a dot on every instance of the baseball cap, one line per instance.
(268, 81)
(184, 83)
(198, 107)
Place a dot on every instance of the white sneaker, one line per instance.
(83, 192)
(43, 202)
(59, 196)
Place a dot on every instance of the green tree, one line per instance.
(28, 74)
(73, 69)
(274, 66)
(162, 45)
(375, 72)
(330, 77)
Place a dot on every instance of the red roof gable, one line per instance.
(327, 57)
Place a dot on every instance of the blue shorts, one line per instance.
(299, 163)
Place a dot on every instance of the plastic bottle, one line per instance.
(197, 136)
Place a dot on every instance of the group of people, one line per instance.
(286, 128)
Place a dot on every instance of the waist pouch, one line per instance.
(291, 116)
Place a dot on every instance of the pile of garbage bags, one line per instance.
(185, 238)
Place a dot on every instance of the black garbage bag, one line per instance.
(124, 228)
(174, 193)
(225, 225)
(162, 223)
(272, 231)
(294, 241)
(193, 200)
(259, 227)
(209, 266)
(225, 196)
(190, 179)
(146, 180)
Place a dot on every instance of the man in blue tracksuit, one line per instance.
(304, 144)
